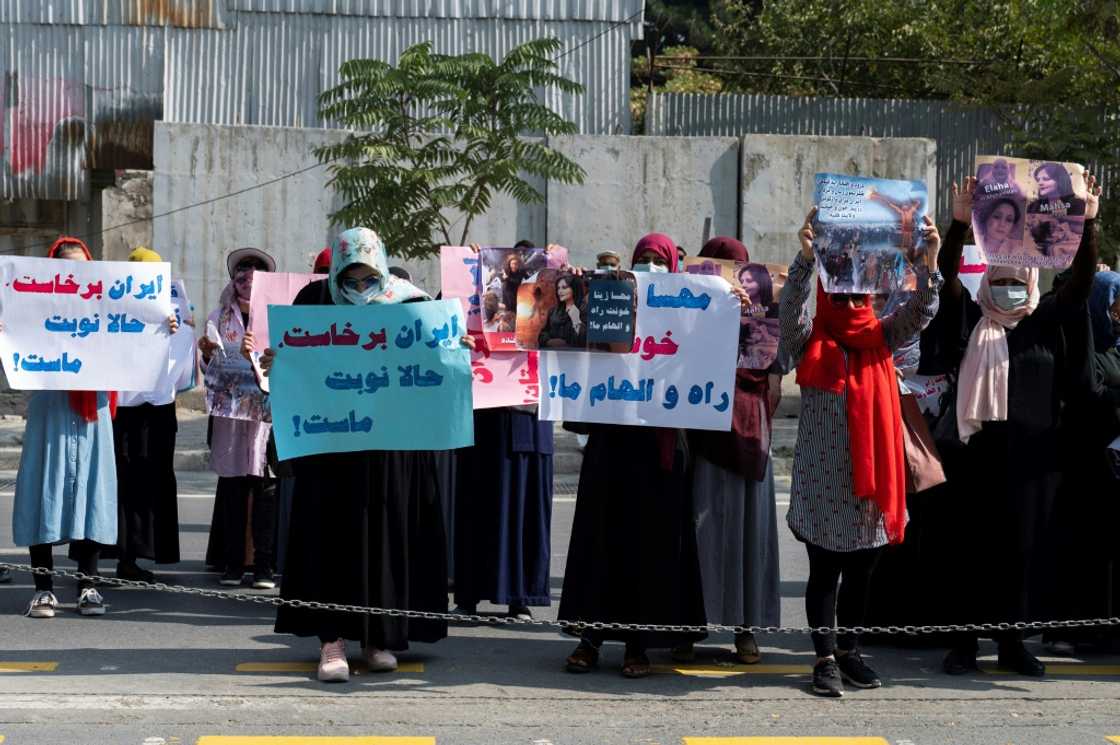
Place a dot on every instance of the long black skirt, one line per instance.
(632, 557)
(366, 529)
(147, 493)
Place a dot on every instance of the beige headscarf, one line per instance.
(982, 391)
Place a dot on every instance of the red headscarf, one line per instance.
(660, 244)
(322, 262)
(746, 448)
(874, 412)
(82, 403)
(666, 248)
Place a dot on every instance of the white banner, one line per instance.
(681, 373)
(84, 325)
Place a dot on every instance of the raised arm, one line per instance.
(949, 261)
(1080, 283)
(796, 324)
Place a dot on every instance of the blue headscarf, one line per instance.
(1106, 286)
(363, 246)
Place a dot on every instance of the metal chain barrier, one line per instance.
(574, 626)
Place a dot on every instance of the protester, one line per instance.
(367, 527)
(632, 556)
(1025, 360)
(245, 503)
(608, 261)
(1088, 509)
(566, 326)
(733, 500)
(848, 495)
(322, 263)
(66, 487)
(147, 494)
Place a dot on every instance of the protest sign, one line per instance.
(84, 325)
(232, 390)
(868, 230)
(502, 272)
(500, 378)
(273, 288)
(972, 268)
(346, 379)
(682, 373)
(182, 367)
(1028, 212)
(557, 309)
(759, 329)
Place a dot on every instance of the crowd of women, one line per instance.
(998, 490)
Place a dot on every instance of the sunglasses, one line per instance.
(360, 283)
(843, 299)
(247, 265)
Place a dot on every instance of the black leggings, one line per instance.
(851, 571)
(235, 495)
(86, 552)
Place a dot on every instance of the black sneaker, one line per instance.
(826, 679)
(856, 672)
(1014, 656)
(130, 570)
(263, 580)
(232, 578)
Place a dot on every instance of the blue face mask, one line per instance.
(356, 296)
(1009, 298)
(654, 268)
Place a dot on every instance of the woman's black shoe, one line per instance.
(1016, 657)
(960, 662)
(826, 679)
(129, 570)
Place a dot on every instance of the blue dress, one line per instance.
(66, 489)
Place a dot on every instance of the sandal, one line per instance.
(584, 659)
(636, 667)
(746, 649)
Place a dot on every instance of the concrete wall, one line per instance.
(638, 185)
(127, 207)
(195, 162)
(777, 182)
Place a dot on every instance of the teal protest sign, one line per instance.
(375, 377)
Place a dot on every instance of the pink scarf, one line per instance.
(982, 391)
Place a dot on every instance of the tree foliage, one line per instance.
(437, 137)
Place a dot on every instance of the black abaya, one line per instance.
(147, 493)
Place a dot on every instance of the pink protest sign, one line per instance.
(273, 288)
(500, 378)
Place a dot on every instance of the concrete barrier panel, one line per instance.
(637, 185)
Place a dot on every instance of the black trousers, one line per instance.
(838, 589)
(234, 494)
(86, 553)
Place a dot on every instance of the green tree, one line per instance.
(436, 137)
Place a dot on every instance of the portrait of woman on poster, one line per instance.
(756, 282)
(998, 177)
(999, 223)
(566, 325)
(1055, 192)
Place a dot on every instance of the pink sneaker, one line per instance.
(333, 667)
(380, 660)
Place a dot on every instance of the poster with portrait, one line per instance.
(1028, 212)
(868, 231)
(501, 272)
(558, 309)
(759, 328)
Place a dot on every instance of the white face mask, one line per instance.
(362, 297)
(653, 268)
(1009, 298)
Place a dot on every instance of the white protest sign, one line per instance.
(84, 325)
(181, 367)
(681, 374)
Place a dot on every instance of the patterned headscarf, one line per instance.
(363, 246)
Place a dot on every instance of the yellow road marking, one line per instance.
(254, 740)
(785, 741)
(28, 667)
(727, 671)
(1115, 739)
(1062, 670)
(310, 667)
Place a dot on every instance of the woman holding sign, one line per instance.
(632, 557)
(367, 527)
(1027, 359)
(66, 488)
(848, 496)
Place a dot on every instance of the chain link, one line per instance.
(573, 626)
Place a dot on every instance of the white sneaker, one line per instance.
(333, 667)
(43, 605)
(380, 660)
(90, 602)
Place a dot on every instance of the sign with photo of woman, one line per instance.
(759, 329)
(1028, 212)
(560, 310)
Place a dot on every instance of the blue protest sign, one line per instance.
(375, 377)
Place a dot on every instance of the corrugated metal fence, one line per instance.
(961, 132)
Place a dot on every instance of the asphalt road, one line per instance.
(163, 669)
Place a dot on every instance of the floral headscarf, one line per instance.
(363, 246)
